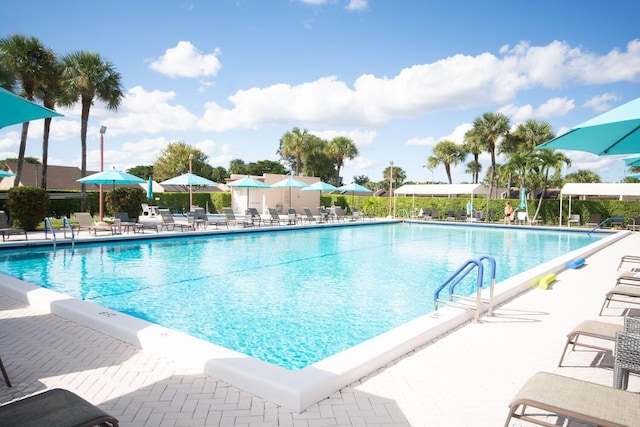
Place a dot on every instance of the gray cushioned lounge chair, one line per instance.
(56, 407)
(579, 400)
(627, 291)
(7, 231)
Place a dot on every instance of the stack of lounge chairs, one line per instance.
(584, 401)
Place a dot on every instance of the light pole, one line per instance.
(103, 130)
(190, 171)
(390, 187)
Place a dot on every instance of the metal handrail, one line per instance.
(47, 222)
(610, 219)
(460, 274)
(66, 224)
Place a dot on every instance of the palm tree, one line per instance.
(341, 148)
(295, 143)
(24, 57)
(87, 76)
(448, 153)
(583, 176)
(533, 133)
(399, 176)
(489, 128)
(49, 90)
(473, 145)
(547, 160)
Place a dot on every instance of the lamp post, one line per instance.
(190, 171)
(103, 130)
(390, 187)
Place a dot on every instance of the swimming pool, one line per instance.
(292, 297)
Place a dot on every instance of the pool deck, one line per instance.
(464, 378)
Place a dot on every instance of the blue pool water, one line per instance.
(292, 297)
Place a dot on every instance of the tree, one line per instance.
(473, 145)
(583, 176)
(143, 172)
(446, 153)
(399, 176)
(339, 149)
(489, 128)
(87, 76)
(25, 58)
(28, 159)
(238, 167)
(316, 161)
(219, 174)
(548, 160)
(49, 90)
(361, 179)
(265, 166)
(295, 143)
(174, 161)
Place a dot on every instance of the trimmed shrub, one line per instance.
(27, 206)
(127, 200)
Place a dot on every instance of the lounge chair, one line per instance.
(276, 218)
(201, 216)
(634, 224)
(633, 259)
(4, 374)
(255, 216)
(309, 217)
(630, 291)
(86, 222)
(435, 214)
(56, 407)
(626, 358)
(170, 224)
(325, 214)
(231, 218)
(450, 216)
(575, 399)
(425, 214)
(341, 215)
(294, 217)
(604, 331)
(594, 220)
(356, 214)
(8, 231)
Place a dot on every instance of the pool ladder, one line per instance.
(476, 303)
(65, 225)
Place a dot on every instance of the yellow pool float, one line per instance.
(546, 281)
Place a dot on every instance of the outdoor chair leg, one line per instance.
(4, 373)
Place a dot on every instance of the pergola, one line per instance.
(449, 190)
(617, 190)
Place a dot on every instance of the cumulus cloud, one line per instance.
(456, 82)
(427, 141)
(360, 138)
(554, 107)
(358, 5)
(602, 103)
(185, 60)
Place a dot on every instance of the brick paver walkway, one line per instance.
(466, 378)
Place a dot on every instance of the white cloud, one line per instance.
(602, 103)
(185, 60)
(460, 81)
(359, 138)
(554, 107)
(427, 141)
(358, 5)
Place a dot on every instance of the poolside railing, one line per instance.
(464, 301)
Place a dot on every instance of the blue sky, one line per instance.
(232, 76)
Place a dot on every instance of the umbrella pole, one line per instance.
(101, 204)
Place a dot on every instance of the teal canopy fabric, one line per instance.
(15, 109)
(614, 132)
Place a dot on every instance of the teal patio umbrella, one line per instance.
(248, 183)
(289, 183)
(320, 187)
(188, 179)
(613, 132)
(353, 188)
(150, 188)
(4, 173)
(113, 177)
(15, 109)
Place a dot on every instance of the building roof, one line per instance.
(58, 177)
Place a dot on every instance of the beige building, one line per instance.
(279, 198)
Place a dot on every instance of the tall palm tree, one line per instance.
(295, 143)
(399, 176)
(49, 90)
(87, 76)
(448, 153)
(24, 56)
(489, 128)
(547, 160)
(473, 145)
(533, 133)
(341, 148)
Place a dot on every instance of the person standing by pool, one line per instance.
(508, 213)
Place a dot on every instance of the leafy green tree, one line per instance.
(447, 153)
(87, 76)
(295, 143)
(583, 176)
(219, 174)
(28, 159)
(238, 167)
(27, 206)
(340, 149)
(265, 166)
(316, 161)
(399, 176)
(141, 171)
(25, 57)
(489, 128)
(174, 161)
(361, 179)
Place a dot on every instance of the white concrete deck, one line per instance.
(465, 378)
